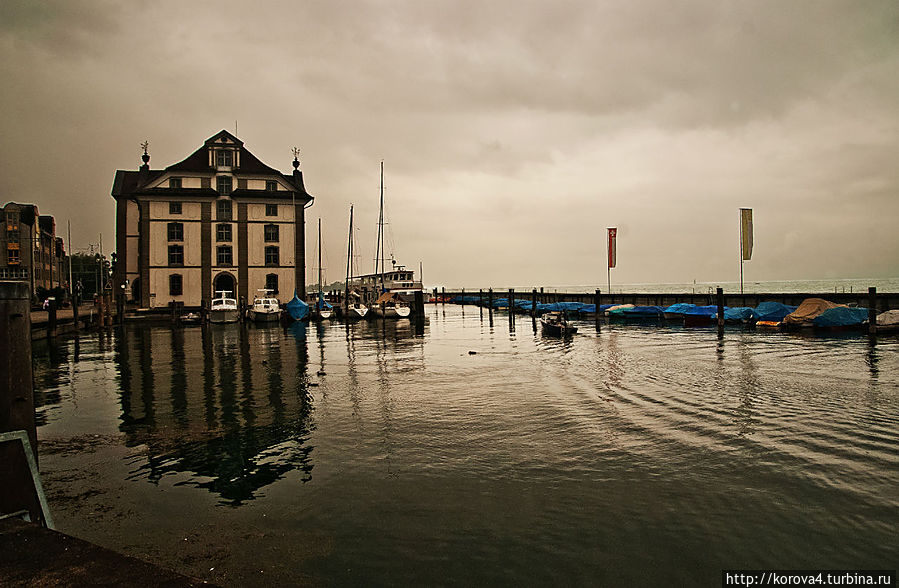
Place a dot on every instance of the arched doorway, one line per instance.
(225, 281)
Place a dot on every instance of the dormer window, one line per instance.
(174, 182)
(271, 186)
(224, 157)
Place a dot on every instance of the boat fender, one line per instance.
(472, 353)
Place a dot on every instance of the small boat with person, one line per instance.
(223, 309)
(556, 324)
(265, 309)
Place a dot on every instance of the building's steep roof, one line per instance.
(132, 182)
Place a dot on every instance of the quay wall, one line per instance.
(885, 300)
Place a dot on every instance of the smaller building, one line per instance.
(31, 251)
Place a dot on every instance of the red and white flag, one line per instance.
(613, 233)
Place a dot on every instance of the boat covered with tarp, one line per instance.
(805, 313)
(643, 312)
(888, 322)
(701, 315)
(297, 309)
(739, 314)
(617, 310)
(841, 317)
(560, 307)
(772, 311)
(677, 310)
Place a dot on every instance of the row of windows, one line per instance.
(224, 255)
(223, 232)
(176, 284)
(223, 209)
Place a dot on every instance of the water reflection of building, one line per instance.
(228, 406)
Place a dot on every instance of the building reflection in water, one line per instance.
(227, 405)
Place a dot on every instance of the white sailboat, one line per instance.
(321, 309)
(353, 307)
(387, 304)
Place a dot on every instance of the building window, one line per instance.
(271, 210)
(12, 256)
(271, 186)
(12, 236)
(176, 232)
(223, 255)
(223, 209)
(271, 233)
(272, 255)
(176, 285)
(175, 207)
(175, 183)
(12, 220)
(223, 184)
(223, 232)
(176, 255)
(224, 157)
(271, 283)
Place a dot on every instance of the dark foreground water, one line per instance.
(377, 454)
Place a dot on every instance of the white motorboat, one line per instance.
(265, 309)
(223, 309)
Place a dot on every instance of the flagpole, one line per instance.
(741, 251)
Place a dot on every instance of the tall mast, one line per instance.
(381, 230)
(349, 262)
(319, 256)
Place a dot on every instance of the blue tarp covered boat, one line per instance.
(701, 315)
(678, 310)
(560, 306)
(297, 309)
(739, 314)
(643, 312)
(772, 311)
(841, 316)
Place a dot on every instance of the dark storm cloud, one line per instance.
(506, 127)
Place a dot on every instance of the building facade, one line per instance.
(31, 251)
(220, 220)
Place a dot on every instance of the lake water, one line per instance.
(473, 451)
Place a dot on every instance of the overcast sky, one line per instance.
(513, 133)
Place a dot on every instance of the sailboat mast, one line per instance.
(319, 256)
(381, 228)
(349, 262)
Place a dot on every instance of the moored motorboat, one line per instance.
(223, 309)
(265, 309)
(556, 324)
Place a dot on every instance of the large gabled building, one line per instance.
(30, 251)
(220, 220)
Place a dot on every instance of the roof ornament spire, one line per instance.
(146, 156)
(296, 158)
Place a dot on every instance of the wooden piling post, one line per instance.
(511, 301)
(534, 302)
(419, 305)
(872, 311)
(51, 318)
(75, 302)
(443, 294)
(490, 299)
(462, 297)
(481, 297)
(719, 294)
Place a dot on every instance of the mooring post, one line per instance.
(872, 311)
(720, 297)
(419, 305)
(443, 294)
(511, 301)
(490, 299)
(534, 302)
(16, 399)
(120, 307)
(75, 309)
(462, 298)
(480, 297)
(51, 318)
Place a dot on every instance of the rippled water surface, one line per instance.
(473, 451)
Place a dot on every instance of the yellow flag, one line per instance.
(746, 232)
